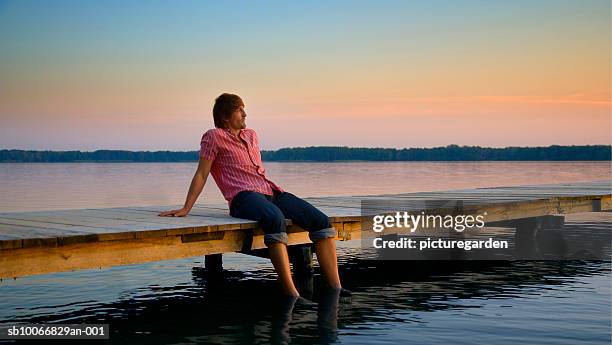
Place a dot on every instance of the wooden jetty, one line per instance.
(55, 241)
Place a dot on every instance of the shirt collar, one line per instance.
(227, 130)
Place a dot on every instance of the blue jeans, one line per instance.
(270, 212)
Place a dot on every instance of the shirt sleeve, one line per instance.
(208, 146)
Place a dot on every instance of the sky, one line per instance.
(143, 75)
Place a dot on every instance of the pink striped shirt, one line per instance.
(236, 163)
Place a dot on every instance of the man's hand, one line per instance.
(174, 213)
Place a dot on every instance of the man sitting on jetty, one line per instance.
(230, 152)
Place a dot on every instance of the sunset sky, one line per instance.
(143, 75)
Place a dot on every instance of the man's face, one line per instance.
(237, 119)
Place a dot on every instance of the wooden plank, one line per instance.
(194, 218)
(23, 230)
(114, 218)
(606, 203)
(39, 260)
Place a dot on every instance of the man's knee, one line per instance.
(320, 221)
(321, 228)
(275, 228)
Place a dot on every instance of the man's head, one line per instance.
(228, 112)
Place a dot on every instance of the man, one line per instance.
(230, 152)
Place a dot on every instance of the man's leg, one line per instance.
(320, 232)
(280, 261)
(326, 254)
(255, 206)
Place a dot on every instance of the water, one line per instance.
(177, 302)
(51, 186)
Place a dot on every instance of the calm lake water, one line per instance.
(176, 302)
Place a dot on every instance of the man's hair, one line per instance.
(224, 106)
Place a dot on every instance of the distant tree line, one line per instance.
(334, 153)
(96, 156)
(447, 153)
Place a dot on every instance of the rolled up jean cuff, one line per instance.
(280, 237)
(322, 234)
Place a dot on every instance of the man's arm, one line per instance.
(197, 184)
